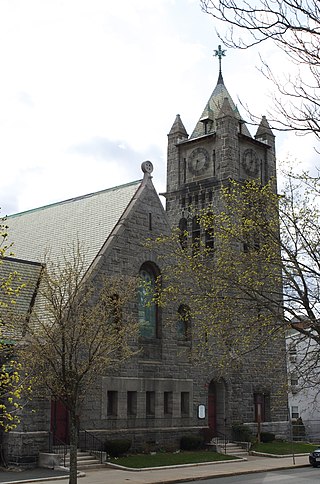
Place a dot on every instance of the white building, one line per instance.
(304, 379)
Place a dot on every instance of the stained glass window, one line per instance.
(183, 323)
(147, 306)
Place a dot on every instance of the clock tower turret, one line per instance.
(219, 148)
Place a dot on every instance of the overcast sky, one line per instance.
(90, 88)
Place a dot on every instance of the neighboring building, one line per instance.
(155, 397)
(303, 375)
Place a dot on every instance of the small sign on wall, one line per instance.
(201, 411)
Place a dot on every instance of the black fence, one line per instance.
(306, 430)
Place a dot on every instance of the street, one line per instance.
(254, 470)
(305, 475)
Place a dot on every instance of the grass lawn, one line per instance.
(282, 448)
(167, 459)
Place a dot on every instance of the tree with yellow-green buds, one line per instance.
(13, 383)
(81, 327)
(258, 277)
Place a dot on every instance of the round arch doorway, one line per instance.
(217, 406)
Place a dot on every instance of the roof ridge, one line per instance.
(73, 199)
(22, 261)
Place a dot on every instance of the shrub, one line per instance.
(241, 433)
(170, 447)
(266, 437)
(191, 442)
(298, 429)
(115, 448)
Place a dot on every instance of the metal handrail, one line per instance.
(90, 443)
(3, 460)
(223, 437)
(58, 446)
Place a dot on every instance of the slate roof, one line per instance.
(88, 219)
(28, 274)
(213, 107)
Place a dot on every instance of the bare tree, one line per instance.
(81, 328)
(12, 382)
(294, 27)
(233, 296)
(261, 276)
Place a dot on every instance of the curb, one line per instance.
(42, 479)
(278, 456)
(39, 479)
(227, 474)
(177, 466)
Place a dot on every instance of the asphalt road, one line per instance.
(305, 475)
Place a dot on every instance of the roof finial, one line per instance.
(220, 53)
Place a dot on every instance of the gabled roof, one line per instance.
(213, 108)
(52, 229)
(25, 275)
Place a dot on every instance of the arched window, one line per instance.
(183, 236)
(115, 310)
(195, 234)
(147, 307)
(184, 322)
(209, 235)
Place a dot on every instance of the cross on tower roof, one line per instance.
(220, 53)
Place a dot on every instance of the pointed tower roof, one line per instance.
(226, 110)
(207, 121)
(178, 127)
(264, 130)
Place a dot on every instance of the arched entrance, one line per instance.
(217, 406)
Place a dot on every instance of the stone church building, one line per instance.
(159, 395)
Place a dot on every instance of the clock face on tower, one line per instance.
(250, 162)
(198, 161)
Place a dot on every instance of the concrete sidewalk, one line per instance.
(159, 476)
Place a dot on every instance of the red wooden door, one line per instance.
(59, 422)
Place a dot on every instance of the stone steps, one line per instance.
(229, 448)
(232, 448)
(85, 461)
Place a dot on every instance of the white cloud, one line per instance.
(76, 71)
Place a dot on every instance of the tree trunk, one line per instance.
(73, 476)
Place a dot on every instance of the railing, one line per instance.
(58, 446)
(220, 439)
(306, 430)
(3, 460)
(245, 445)
(90, 443)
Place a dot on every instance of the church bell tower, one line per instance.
(220, 148)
